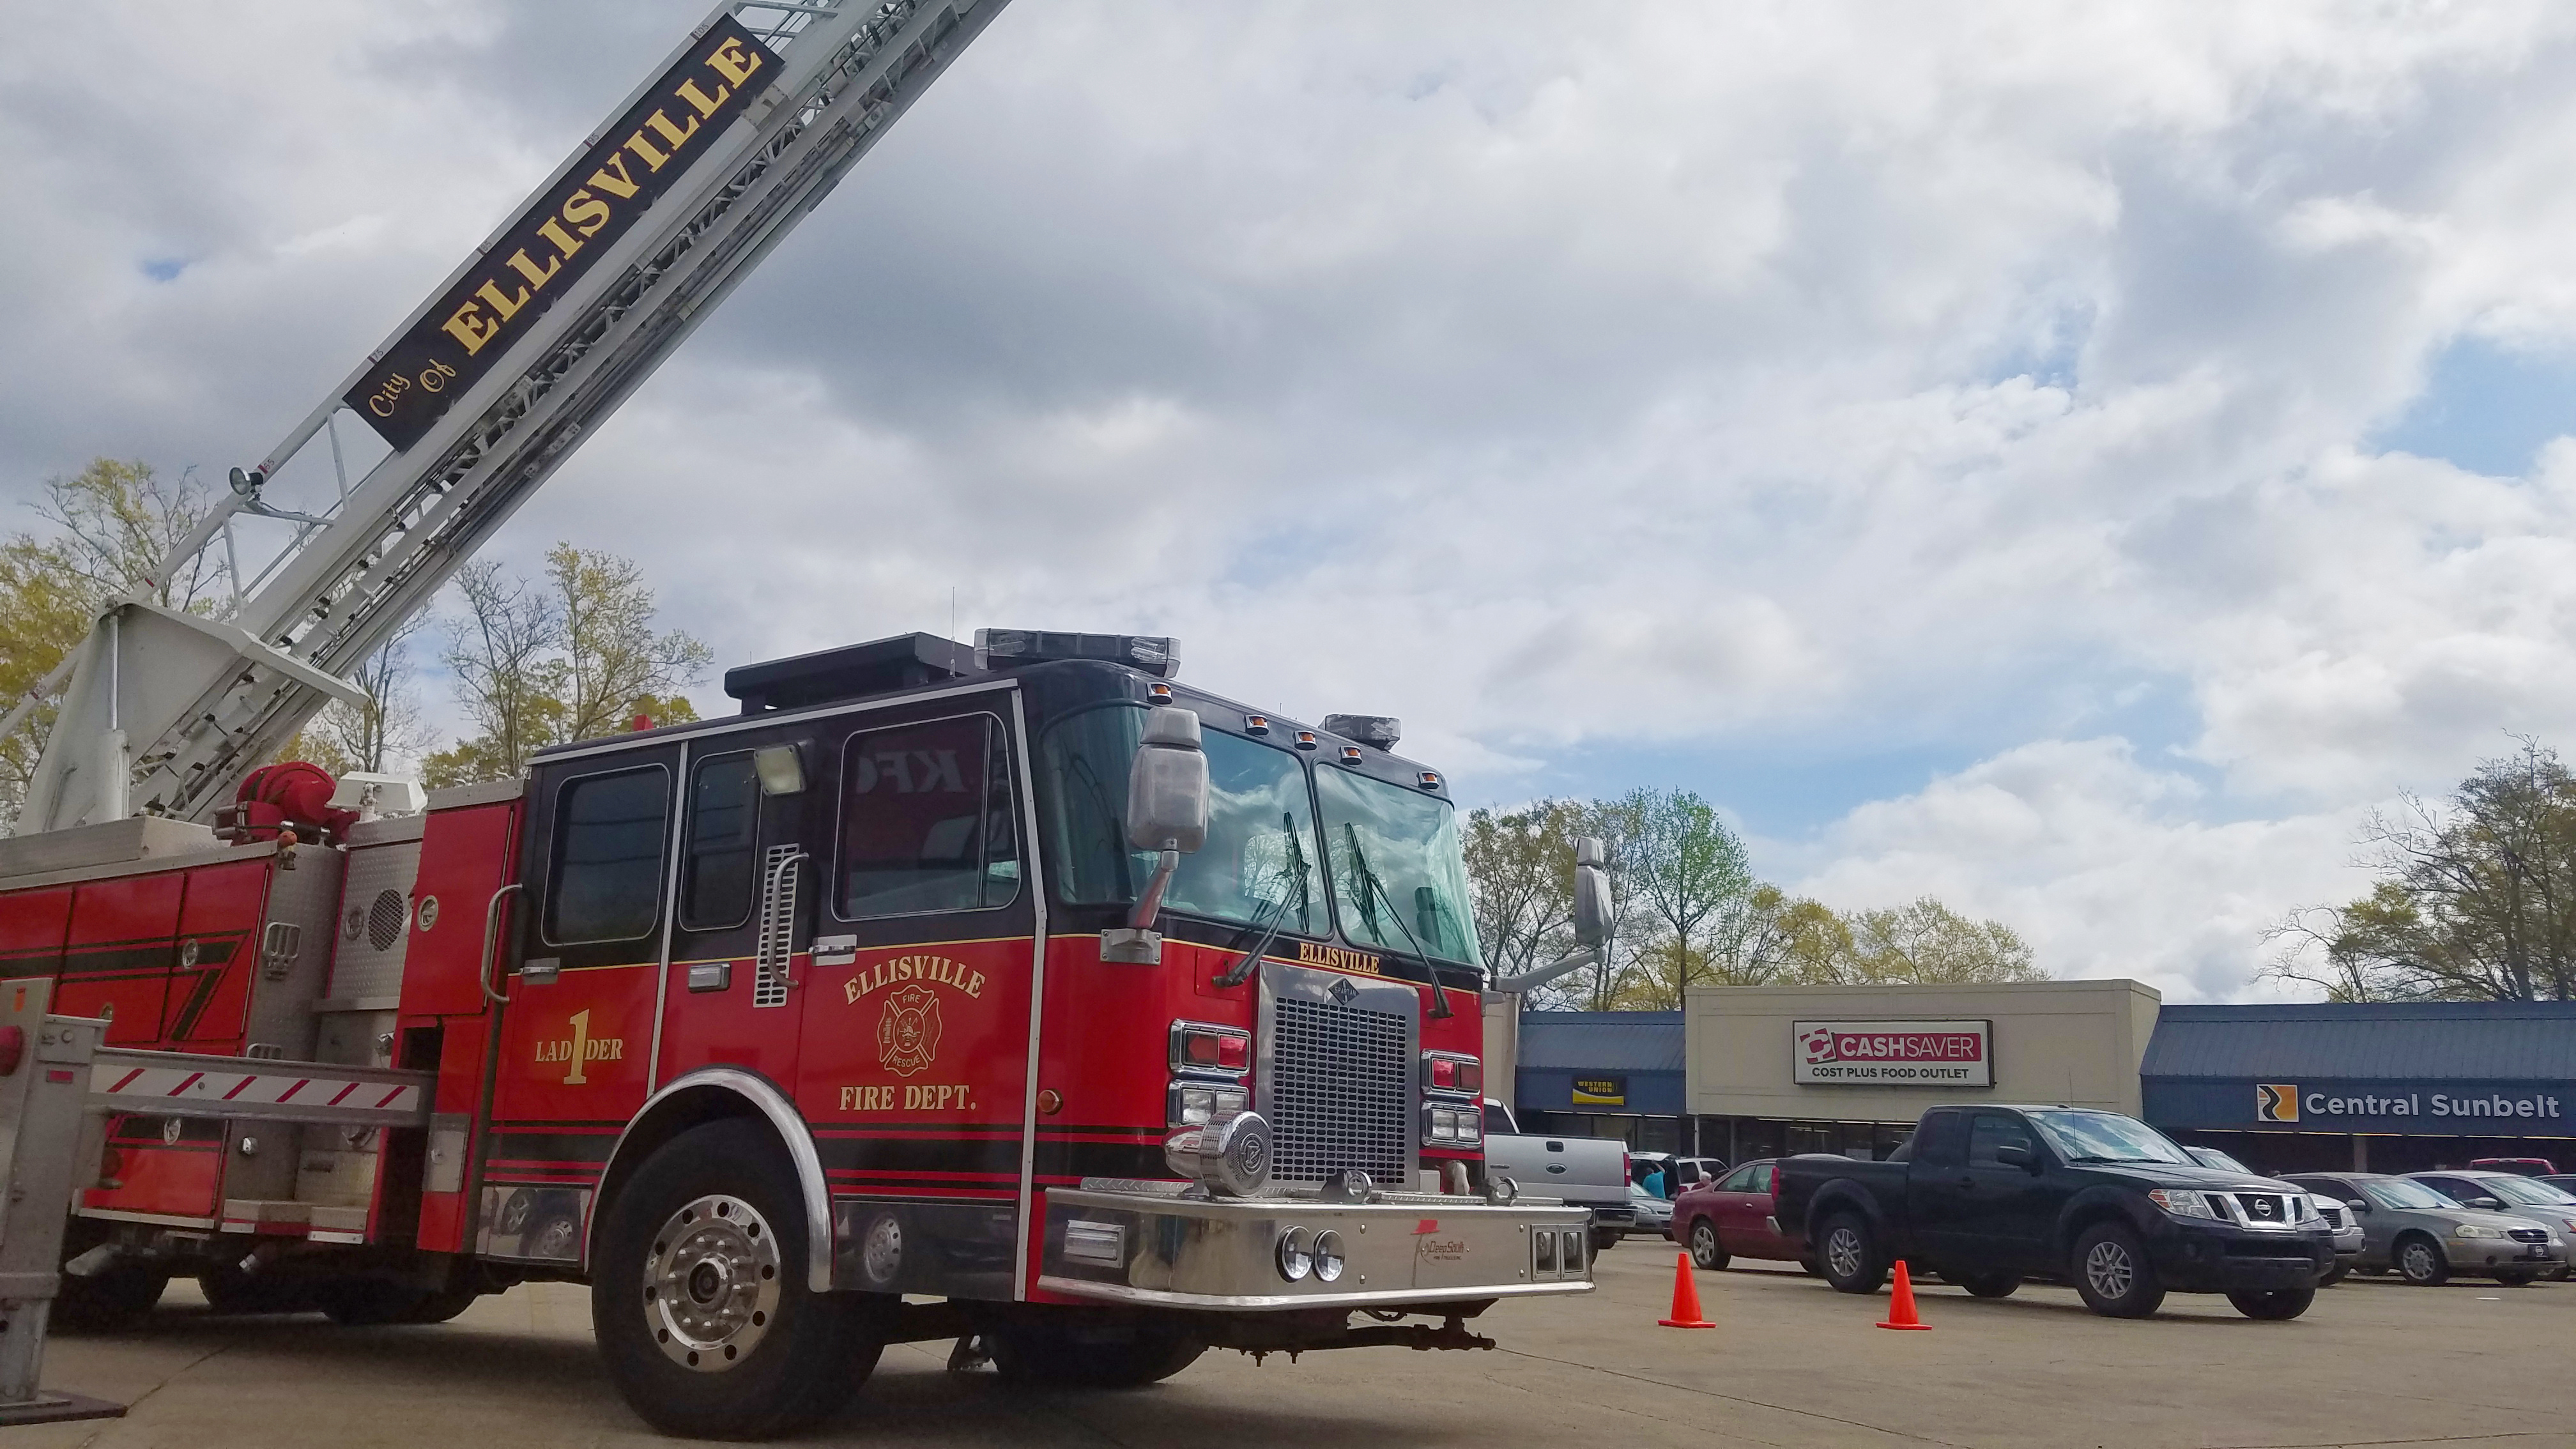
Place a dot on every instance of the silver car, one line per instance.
(2509, 1193)
(2426, 1237)
(1654, 1214)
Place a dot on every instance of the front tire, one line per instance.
(2277, 1304)
(2515, 1280)
(1704, 1249)
(1987, 1285)
(1604, 1239)
(2420, 1262)
(1849, 1255)
(2112, 1273)
(699, 1300)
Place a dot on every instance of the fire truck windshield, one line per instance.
(1260, 862)
(1398, 874)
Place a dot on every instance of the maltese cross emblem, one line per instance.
(908, 1033)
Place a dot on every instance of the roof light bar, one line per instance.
(1156, 655)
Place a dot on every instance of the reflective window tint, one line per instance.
(927, 822)
(1398, 878)
(607, 868)
(1993, 1130)
(717, 865)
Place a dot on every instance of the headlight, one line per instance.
(2303, 1208)
(2473, 1230)
(1328, 1256)
(2180, 1203)
(1296, 1259)
(1193, 1104)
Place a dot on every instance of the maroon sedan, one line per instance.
(1731, 1217)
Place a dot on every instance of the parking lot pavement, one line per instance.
(1791, 1363)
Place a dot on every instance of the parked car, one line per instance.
(2426, 1237)
(1732, 1217)
(2520, 1166)
(1990, 1196)
(2563, 1181)
(1653, 1214)
(1589, 1172)
(2515, 1196)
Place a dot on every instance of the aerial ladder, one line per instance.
(481, 394)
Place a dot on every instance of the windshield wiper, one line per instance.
(1241, 971)
(1369, 883)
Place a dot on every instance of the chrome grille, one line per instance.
(2528, 1235)
(2263, 1207)
(1340, 1087)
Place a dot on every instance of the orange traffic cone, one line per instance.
(1685, 1297)
(1900, 1304)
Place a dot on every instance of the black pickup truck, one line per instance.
(1990, 1196)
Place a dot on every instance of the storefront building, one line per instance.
(2385, 1087)
(1760, 1071)
(1848, 1069)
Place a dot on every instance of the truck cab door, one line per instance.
(2005, 1218)
(914, 1069)
(747, 869)
(1938, 1188)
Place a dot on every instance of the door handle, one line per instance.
(491, 939)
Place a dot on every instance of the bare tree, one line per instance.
(571, 660)
(2476, 899)
(502, 652)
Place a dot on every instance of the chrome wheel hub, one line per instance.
(1842, 1252)
(711, 1285)
(2109, 1270)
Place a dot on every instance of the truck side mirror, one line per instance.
(1591, 894)
(1167, 812)
(2013, 1154)
(2356, 1204)
(1167, 786)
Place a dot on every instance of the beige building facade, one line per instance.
(1845, 1068)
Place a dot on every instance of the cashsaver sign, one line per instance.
(1893, 1053)
(563, 234)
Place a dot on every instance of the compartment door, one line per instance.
(124, 939)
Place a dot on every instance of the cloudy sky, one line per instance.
(2072, 460)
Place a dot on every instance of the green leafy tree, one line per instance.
(1928, 944)
(2475, 901)
(109, 528)
(574, 658)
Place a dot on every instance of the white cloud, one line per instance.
(1753, 381)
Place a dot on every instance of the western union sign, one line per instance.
(562, 234)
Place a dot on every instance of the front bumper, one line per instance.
(2219, 1258)
(1133, 1243)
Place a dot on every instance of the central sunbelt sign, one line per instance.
(1893, 1053)
(2284, 1103)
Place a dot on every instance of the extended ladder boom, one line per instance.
(486, 389)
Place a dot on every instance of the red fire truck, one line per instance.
(1121, 1019)
(1019, 994)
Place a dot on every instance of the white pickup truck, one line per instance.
(1590, 1172)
